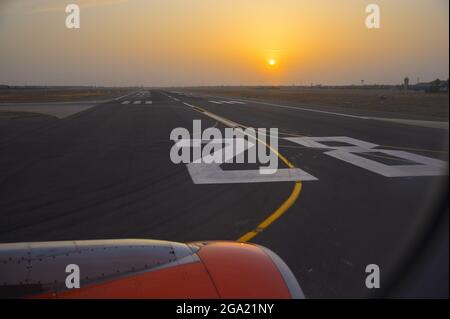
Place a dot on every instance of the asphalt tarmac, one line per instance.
(356, 188)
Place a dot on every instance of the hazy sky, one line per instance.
(222, 42)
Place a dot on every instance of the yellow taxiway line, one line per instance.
(295, 193)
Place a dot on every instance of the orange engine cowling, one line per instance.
(134, 268)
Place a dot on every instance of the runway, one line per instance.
(350, 189)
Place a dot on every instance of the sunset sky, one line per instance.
(222, 42)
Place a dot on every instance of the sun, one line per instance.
(272, 62)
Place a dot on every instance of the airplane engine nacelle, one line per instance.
(134, 268)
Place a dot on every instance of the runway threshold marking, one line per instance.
(295, 193)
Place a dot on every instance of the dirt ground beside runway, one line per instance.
(24, 95)
(434, 105)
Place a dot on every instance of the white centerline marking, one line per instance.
(190, 105)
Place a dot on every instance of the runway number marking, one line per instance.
(208, 172)
(422, 165)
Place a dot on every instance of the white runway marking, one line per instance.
(126, 102)
(212, 174)
(227, 102)
(209, 172)
(187, 104)
(137, 102)
(420, 165)
(148, 102)
(123, 96)
(431, 124)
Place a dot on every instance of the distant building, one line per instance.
(435, 86)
